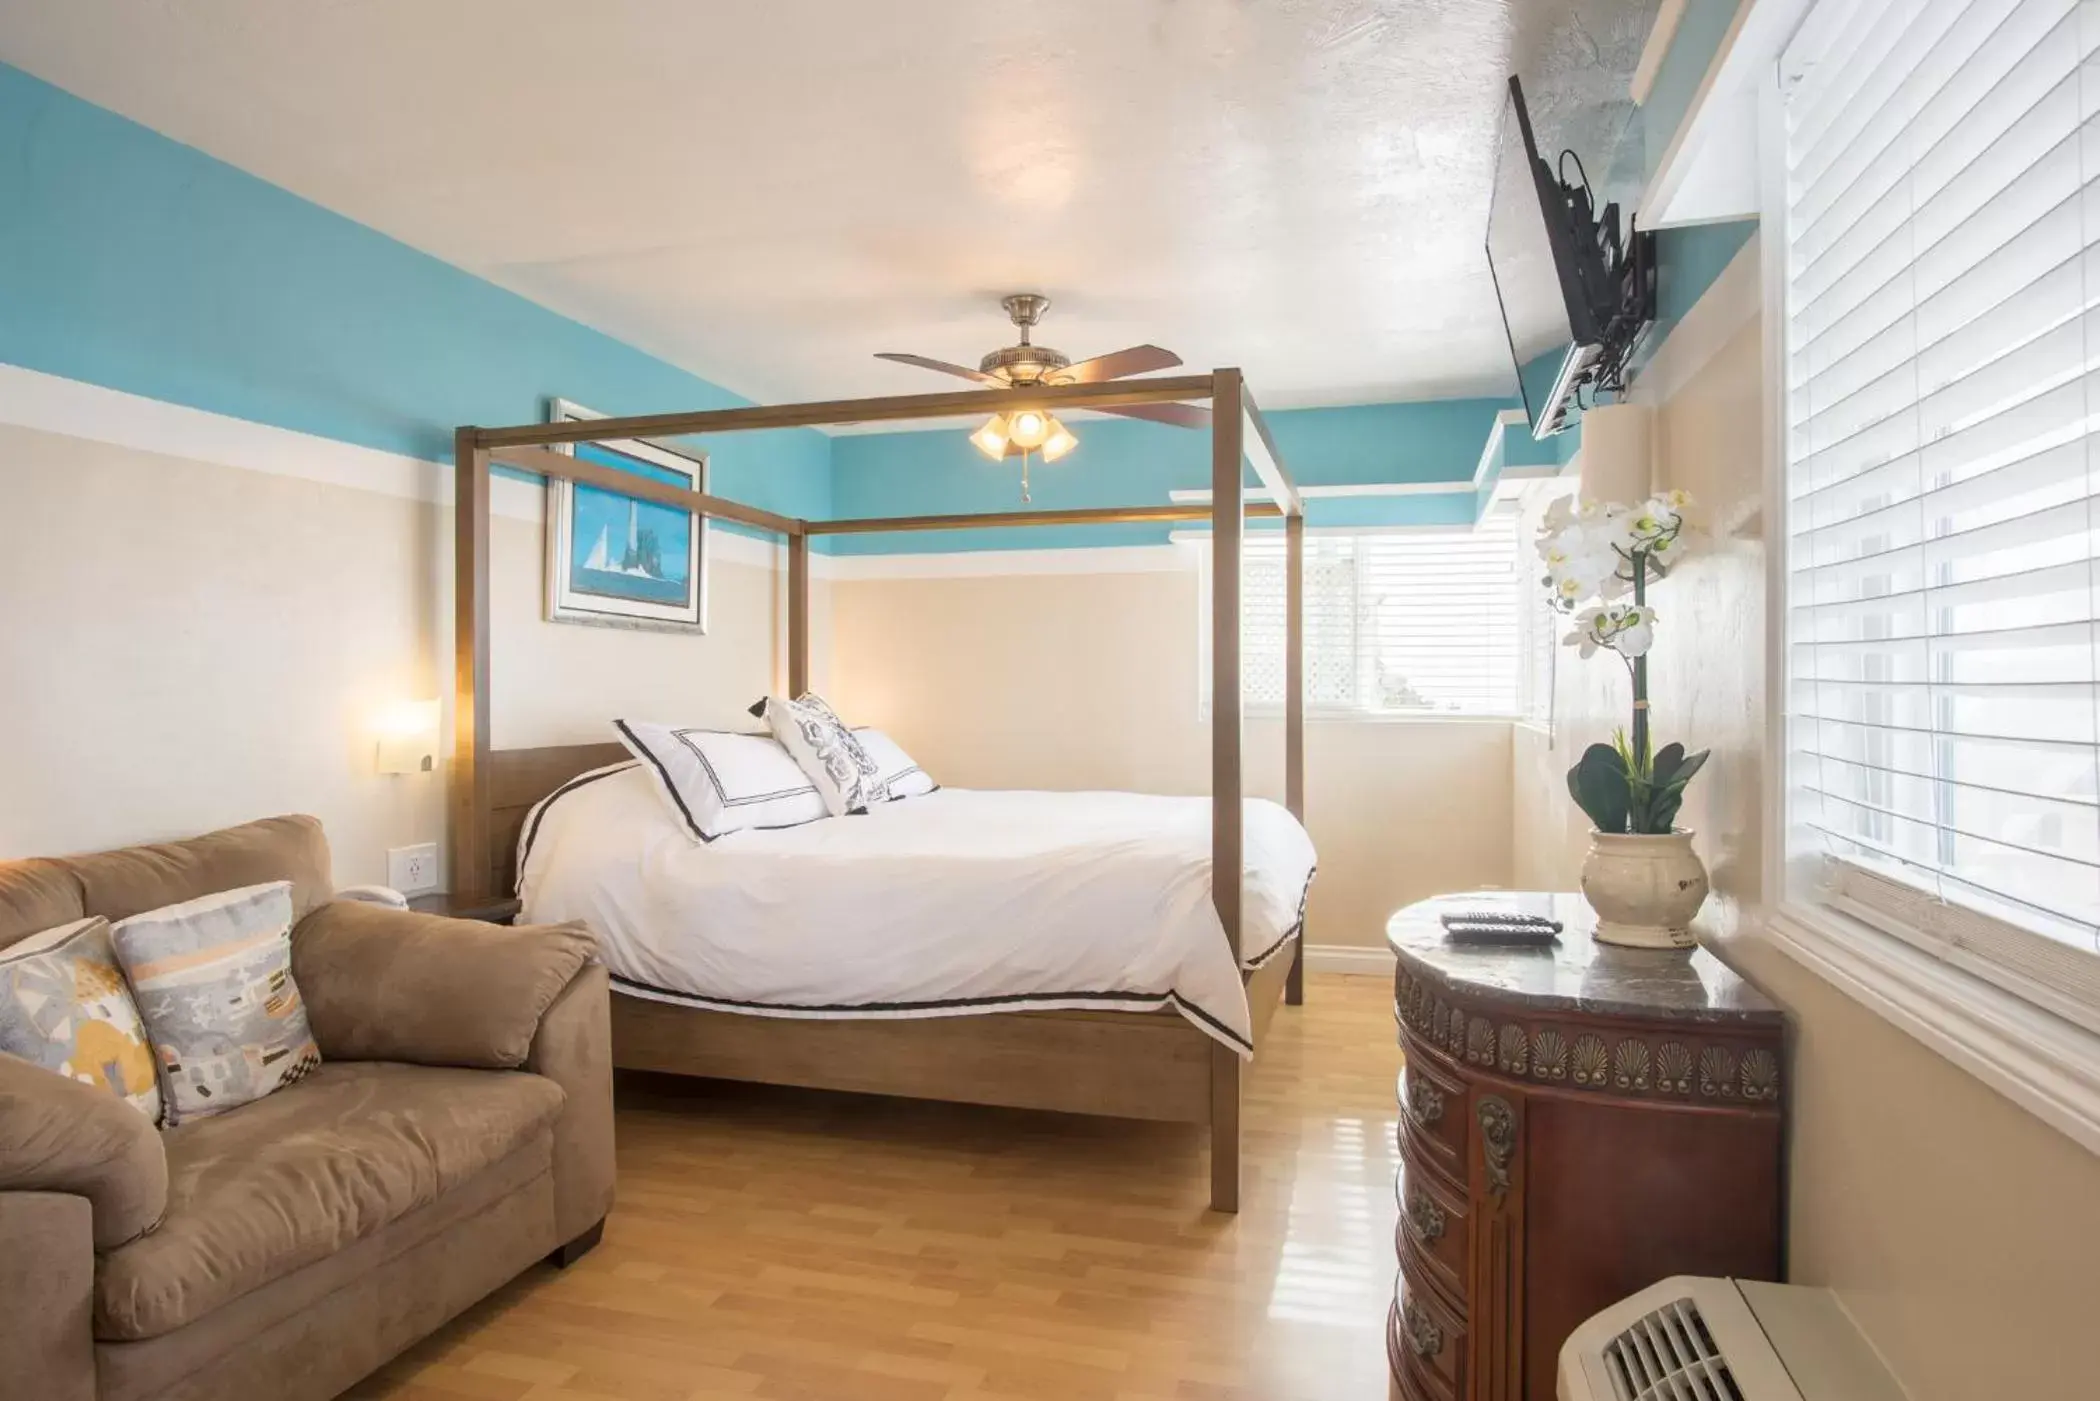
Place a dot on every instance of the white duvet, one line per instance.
(948, 904)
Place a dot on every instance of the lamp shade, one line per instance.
(408, 737)
(1616, 444)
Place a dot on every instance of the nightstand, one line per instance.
(491, 909)
(1575, 1123)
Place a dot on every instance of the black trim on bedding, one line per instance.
(634, 743)
(1017, 1002)
(1289, 934)
(539, 812)
(685, 737)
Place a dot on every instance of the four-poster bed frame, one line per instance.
(1131, 1065)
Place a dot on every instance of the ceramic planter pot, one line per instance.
(1645, 890)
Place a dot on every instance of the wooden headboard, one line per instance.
(518, 778)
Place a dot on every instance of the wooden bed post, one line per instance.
(468, 855)
(1227, 856)
(798, 615)
(1294, 709)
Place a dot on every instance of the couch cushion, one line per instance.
(36, 895)
(270, 1188)
(133, 879)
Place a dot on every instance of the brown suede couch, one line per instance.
(458, 1131)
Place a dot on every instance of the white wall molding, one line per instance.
(2045, 1064)
(94, 413)
(1732, 301)
(1200, 496)
(975, 564)
(1348, 958)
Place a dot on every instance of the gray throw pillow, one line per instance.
(213, 979)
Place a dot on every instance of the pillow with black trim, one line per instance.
(826, 750)
(897, 773)
(717, 782)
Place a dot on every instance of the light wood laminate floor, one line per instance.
(783, 1245)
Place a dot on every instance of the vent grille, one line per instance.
(1669, 1356)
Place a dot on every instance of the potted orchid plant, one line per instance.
(1641, 876)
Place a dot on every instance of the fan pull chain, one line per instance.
(1026, 499)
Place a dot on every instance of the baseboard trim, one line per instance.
(1348, 958)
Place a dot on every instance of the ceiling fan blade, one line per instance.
(943, 366)
(1180, 415)
(1134, 360)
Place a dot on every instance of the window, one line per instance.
(1942, 390)
(1396, 622)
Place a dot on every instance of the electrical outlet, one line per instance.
(413, 870)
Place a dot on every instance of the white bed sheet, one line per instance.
(953, 903)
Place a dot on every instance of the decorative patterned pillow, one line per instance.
(213, 977)
(717, 782)
(826, 750)
(897, 773)
(64, 1006)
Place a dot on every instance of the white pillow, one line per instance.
(897, 773)
(717, 782)
(826, 750)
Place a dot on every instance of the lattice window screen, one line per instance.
(1399, 622)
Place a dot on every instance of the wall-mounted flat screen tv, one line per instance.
(1574, 298)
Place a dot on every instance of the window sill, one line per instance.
(2045, 1064)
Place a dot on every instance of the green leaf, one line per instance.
(1692, 764)
(1667, 759)
(1598, 785)
(1662, 814)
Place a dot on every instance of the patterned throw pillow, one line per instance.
(213, 977)
(827, 751)
(899, 774)
(64, 1006)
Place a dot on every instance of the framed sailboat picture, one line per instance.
(619, 561)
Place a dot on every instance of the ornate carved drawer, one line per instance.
(1433, 1113)
(1577, 1122)
(1426, 1346)
(1431, 1236)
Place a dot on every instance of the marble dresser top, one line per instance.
(1577, 973)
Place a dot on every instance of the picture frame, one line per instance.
(619, 561)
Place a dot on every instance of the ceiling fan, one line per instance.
(1020, 366)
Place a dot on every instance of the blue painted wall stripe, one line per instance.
(132, 261)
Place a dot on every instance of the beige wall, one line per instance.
(185, 645)
(1960, 1231)
(1090, 681)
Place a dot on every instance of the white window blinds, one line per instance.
(1398, 622)
(1942, 254)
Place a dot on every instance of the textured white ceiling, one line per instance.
(767, 193)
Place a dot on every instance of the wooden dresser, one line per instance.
(1576, 1122)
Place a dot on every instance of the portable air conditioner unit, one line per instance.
(1694, 1339)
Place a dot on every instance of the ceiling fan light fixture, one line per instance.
(992, 438)
(1029, 428)
(1059, 442)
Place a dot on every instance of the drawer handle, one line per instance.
(1423, 1335)
(1425, 1215)
(1424, 1101)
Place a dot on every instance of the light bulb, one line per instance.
(1059, 442)
(991, 439)
(1030, 428)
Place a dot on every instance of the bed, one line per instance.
(1057, 1053)
(952, 903)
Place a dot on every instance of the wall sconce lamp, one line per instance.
(408, 737)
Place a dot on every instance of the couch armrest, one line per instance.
(574, 1050)
(385, 984)
(47, 1294)
(59, 1135)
